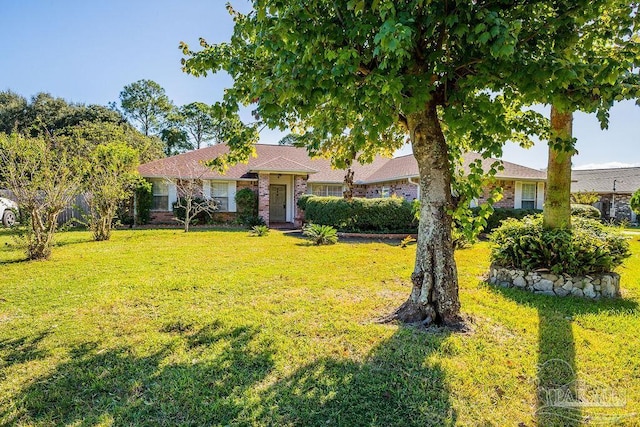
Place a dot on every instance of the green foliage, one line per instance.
(588, 247)
(247, 207)
(144, 201)
(635, 202)
(383, 59)
(44, 176)
(259, 230)
(498, 215)
(175, 140)
(302, 201)
(320, 234)
(146, 103)
(585, 211)
(361, 215)
(110, 180)
(585, 198)
(197, 120)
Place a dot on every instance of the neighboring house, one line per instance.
(614, 187)
(281, 174)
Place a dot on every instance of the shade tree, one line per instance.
(354, 79)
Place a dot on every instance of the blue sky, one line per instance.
(87, 51)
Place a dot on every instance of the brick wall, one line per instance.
(508, 194)
(622, 207)
(263, 196)
(253, 185)
(401, 188)
(299, 188)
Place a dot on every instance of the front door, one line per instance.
(277, 203)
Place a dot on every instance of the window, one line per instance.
(160, 195)
(220, 193)
(385, 191)
(327, 190)
(528, 196)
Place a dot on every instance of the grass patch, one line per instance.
(159, 327)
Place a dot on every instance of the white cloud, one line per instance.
(606, 165)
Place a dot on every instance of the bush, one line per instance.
(247, 206)
(144, 202)
(302, 200)
(321, 234)
(361, 215)
(500, 214)
(259, 230)
(588, 247)
(635, 202)
(585, 211)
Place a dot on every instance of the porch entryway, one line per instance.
(277, 203)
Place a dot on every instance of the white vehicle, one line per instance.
(8, 210)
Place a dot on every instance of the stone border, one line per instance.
(603, 285)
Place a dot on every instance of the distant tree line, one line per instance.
(188, 127)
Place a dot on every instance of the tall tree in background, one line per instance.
(48, 116)
(358, 78)
(13, 108)
(197, 120)
(146, 104)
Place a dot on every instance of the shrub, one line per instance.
(247, 206)
(361, 215)
(588, 247)
(585, 211)
(500, 214)
(321, 234)
(635, 202)
(259, 230)
(144, 202)
(302, 200)
(585, 198)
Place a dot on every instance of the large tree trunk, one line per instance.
(434, 297)
(557, 203)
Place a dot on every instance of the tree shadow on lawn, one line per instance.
(303, 241)
(559, 400)
(396, 384)
(119, 386)
(21, 350)
(218, 385)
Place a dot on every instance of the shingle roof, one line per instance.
(407, 166)
(601, 180)
(282, 164)
(280, 158)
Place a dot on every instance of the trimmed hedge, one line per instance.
(588, 247)
(388, 215)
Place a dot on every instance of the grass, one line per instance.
(159, 327)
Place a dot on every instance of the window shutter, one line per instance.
(540, 200)
(231, 193)
(517, 196)
(173, 195)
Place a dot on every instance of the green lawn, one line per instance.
(159, 327)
